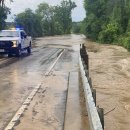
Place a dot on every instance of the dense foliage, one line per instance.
(108, 21)
(76, 27)
(30, 22)
(4, 11)
(47, 20)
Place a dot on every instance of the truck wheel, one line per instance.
(29, 50)
(18, 52)
(10, 55)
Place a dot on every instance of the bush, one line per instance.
(125, 41)
(109, 33)
(92, 26)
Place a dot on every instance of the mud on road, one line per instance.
(110, 73)
(21, 76)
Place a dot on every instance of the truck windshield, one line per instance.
(9, 34)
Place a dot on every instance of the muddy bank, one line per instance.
(110, 72)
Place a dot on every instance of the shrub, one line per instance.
(124, 41)
(109, 33)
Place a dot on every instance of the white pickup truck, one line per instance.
(13, 42)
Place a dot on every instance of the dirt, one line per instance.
(110, 73)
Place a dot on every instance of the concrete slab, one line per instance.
(73, 113)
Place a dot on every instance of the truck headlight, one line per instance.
(14, 43)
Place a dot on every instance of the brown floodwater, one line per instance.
(110, 72)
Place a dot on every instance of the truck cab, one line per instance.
(13, 42)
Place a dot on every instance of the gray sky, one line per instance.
(18, 6)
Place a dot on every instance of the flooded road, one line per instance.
(19, 77)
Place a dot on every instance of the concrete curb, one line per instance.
(94, 119)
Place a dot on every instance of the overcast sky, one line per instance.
(78, 14)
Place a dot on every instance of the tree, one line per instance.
(30, 22)
(47, 20)
(63, 15)
(56, 19)
(96, 17)
(76, 27)
(4, 11)
(1, 3)
(108, 21)
(46, 14)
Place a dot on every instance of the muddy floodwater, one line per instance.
(109, 70)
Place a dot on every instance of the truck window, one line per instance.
(23, 35)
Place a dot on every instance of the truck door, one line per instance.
(24, 39)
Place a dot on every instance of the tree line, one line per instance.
(47, 20)
(108, 21)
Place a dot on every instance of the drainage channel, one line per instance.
(16, 119)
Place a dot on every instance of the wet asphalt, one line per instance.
(18, 76)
